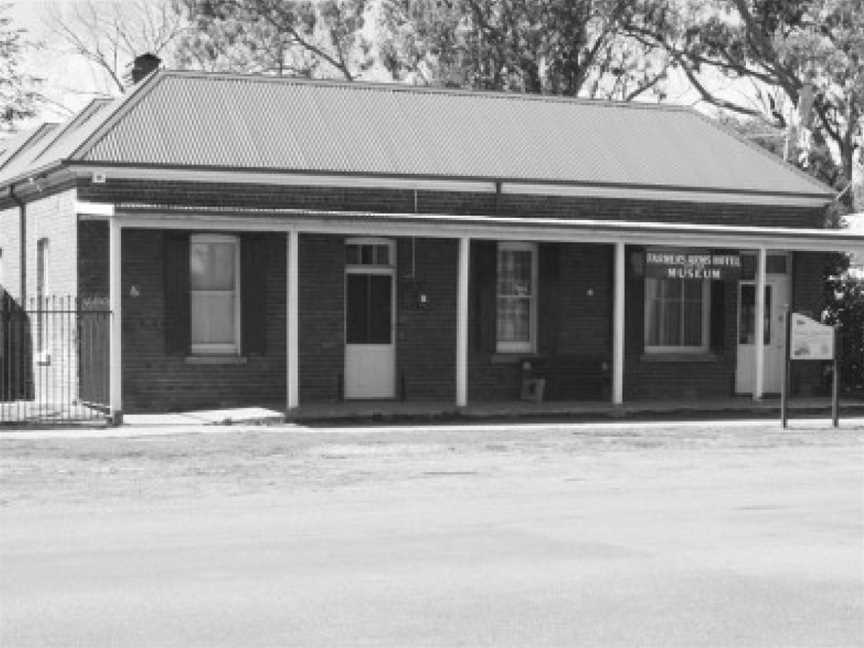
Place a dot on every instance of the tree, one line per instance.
(18, 98)
(566, 47)
(109, 34)
(795, 51)
(299, 37)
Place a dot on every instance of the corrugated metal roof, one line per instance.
(181, 119)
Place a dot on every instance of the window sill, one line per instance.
(680, 357)
(215, 360)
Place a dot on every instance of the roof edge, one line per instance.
(765, 152)
(139, 91)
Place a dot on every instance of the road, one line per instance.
(709, 535)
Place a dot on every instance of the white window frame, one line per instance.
(529, 346)
(706, 323)
(218, 349)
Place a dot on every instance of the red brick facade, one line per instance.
(574, 307)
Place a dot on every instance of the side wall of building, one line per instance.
(10, 251)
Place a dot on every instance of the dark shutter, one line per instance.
(549, 298)
(634, 304)
(253, 291)
(718, 315)
(175, 275)
(484, 271)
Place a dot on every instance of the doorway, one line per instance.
(370, 323)
(777, 298)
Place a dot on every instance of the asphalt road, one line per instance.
(526, 536)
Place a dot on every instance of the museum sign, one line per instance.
(691, 265)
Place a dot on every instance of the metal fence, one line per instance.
(53, 361)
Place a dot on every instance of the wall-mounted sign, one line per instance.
(810, 340)
(691, 265)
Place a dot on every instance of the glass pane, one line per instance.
(514, 272)
(693, 323)
(367, 254)
(514, 319)
(382, 254)
(380, 309)
(352, 254)
(211, 266)
(356, 309)
(212, 316)
(747, 315)
(368, 316)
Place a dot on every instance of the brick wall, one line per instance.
(405, 201)
(321, 335)
(583, 329)
(10, 243)
(53, 218)
(426, 334)
(154, 380)
(93, 241)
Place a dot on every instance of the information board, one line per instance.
(810, 340)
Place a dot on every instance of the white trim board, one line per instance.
(510, 187)
(503, 229)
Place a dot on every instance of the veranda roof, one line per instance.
(223, 122)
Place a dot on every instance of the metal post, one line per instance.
(835, 387)
(292, 264)
(462, 323)
(759, 325)
(618, 324)
(787, 363)
(116, 300)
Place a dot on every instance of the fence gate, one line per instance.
(53, 361)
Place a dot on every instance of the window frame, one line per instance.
(233, 348)
(530, 345)
(702, 348)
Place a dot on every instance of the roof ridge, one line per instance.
(408, 88)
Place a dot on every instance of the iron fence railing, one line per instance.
(53, 360)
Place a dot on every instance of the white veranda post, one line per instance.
(618, 323)
(462, 323)
(115, 299)
(759, 325)
(293, 396)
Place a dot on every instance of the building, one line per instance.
(272, 240)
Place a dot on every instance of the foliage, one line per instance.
(109, 34)
(297, 37)
(567, 47)
(790, 49)
(18, 98)
(848, 312)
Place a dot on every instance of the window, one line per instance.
(214, 281)
(516, 298)
(677, 315)
(41, 293)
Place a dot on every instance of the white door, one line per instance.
(774, 331)
(370, 349)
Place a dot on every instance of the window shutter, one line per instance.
(718, 315)
(484, 270)
(549, 298)
(634, 300)
(175, 275)
(253, 280)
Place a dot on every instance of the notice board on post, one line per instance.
(807, 339)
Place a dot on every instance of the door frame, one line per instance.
(371, 269)
(771, 279)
